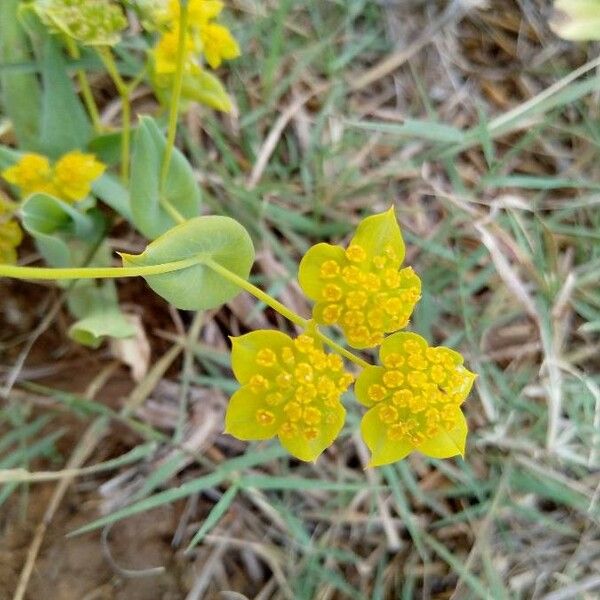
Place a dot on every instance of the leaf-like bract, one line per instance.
(198, 287)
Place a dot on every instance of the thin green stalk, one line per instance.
(172, 211)
(175, 92)
(283, 310)
(17, 272)
(84, 85)
(124, 90)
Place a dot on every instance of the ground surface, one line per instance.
(471, 119)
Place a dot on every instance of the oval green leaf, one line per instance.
(53, 223)
(220, 239)
(180, 189)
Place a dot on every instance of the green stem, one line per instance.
(84, 85)
(172, 211)
(124, 91)
(281, 309)
(175, 92)
(17, 272)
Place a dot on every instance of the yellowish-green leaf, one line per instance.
(206, 88)
(380, 235)
(376, 435)
(241, 421)
(449, 442)
(309, 271)
(246, 347)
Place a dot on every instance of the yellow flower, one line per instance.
(289, 388)
(165, 53)
(218, 44)
(414, 400)
(199, 11)
(32, 173)
(362, 289)
(11, 235)
(74, 174)
(69, 179)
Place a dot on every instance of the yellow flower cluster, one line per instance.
(290, 388)
(362, 288)
(90, 22)
(11, 234)
(414, 400)
(203, 36)
(69, 179)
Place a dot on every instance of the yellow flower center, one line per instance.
(366, 295)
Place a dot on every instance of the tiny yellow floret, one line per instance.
(11, 234)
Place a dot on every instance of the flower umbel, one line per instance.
(70, 179)
(90, 22)
(203, 36)
(414, 400)
(289, 388)
(362, 289)
(11, 234)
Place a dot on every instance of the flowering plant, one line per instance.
(292, 388)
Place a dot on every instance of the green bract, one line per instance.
(218, 239)
(180, 190)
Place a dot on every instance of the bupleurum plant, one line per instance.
(294, 389)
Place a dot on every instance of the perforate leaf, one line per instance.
(180, 189)
(220, 239)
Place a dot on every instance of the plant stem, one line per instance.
(172, 211)
(175, 92)
(84, 84)
(281, 309)
(124, 91)
(17, 272)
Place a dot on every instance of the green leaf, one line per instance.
(107, 147)
(96, 305)
(67, 237)
(205, 88)
(220, 239)
(180, 189)
(378, 233)
(8, 157)
(110, 190)
(64, 122)
(52, 222)
(20, 91)
(217, 511)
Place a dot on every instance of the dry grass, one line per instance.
(472, 118)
